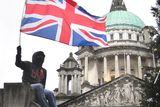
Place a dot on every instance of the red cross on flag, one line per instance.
(65, 22)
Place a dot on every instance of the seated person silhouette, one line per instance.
(35, 74)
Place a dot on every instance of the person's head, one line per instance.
(38, 58)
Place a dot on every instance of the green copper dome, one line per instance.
(123, 19)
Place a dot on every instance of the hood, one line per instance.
(38, 58)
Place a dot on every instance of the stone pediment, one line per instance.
(85, 51)
(124, 91)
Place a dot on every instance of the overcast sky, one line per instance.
(56, 53)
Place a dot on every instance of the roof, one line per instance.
(123, 19)
(120, 18)
(70, 64)
(70, 58)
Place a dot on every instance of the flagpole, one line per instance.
(21, 21)
(19, 38)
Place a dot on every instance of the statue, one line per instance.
(127, 92)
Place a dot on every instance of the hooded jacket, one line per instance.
(33, 72)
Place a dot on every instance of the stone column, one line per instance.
(86, 69)
(125, 63)
(116, 67)
(128, 64)
(83, 72)
(66, 88)
(62, 83)
(95, 73)
(106, 72)
(59, 89)
(78, 85)
(72, 80)
(75, 83)
(139, 67)
(105, 69)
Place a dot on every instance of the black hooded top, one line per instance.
(33, 72)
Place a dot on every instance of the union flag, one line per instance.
(65, 22)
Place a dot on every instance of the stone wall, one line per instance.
(17, 95)
(1, 97)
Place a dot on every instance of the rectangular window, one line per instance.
(112, 77)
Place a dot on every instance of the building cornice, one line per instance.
(121, 50)
(88, 49)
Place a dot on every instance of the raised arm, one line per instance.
(19, 63)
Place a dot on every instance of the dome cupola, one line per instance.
(120, 18)
(70, 62)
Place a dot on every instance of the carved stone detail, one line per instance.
(124, 92)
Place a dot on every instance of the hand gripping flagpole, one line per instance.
(21, 22)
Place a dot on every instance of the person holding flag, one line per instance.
(35, 74)
(59, 20)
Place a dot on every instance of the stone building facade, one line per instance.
(128, 51)
(110, 76)
(70, 75)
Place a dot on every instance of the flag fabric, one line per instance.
(65, 22)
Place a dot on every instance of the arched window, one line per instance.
(129, 36)
(120, 36)
(137, 37)
(111, 36)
